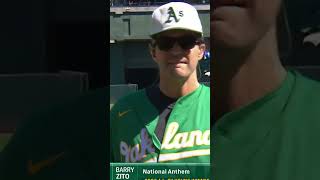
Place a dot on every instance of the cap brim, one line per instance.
(176, 28)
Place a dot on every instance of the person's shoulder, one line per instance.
(205, 87)
(306, 91)
(205, 90)
(303, 103)
(126, 108)
(306, 83)
(132, 98)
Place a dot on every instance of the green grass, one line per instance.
(4, 138)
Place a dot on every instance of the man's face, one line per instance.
(177, 53)
(241, 23)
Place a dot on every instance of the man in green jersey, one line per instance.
(266, 117)
(168, 122)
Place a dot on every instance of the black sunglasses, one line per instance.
(186, 42)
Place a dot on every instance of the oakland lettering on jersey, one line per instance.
(174, 140)
(138, 151)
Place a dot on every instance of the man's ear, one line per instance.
(202, 48)
(152, 51)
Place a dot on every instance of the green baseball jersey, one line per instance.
(64, 141)
(273, 138)
(186, 138)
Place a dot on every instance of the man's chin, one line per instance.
(179, 74)
(226, 38)
(226, 43)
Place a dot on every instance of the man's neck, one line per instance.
(259, 72)
(175, 88)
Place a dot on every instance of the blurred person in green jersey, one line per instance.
(63, 141)
(170, 121)
(266, 116)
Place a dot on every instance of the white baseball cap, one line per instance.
(175, 15)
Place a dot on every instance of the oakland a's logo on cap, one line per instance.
(172, 15)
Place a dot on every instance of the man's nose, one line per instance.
(176, 49)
